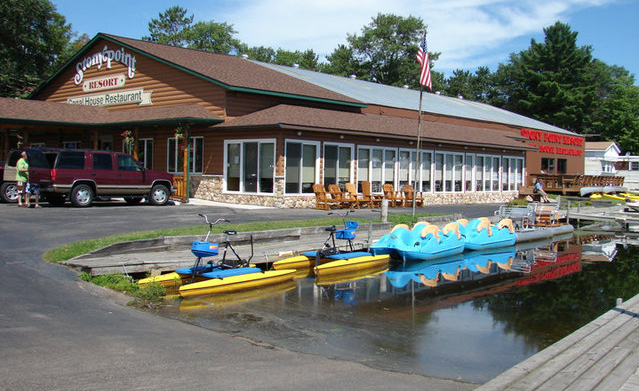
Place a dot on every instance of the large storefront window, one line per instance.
(470, 169)
(337, 164)
(426, 172)
(145, 155)
(250, 166)
(479, 174)
(512, 173)
(377, 165)
(175, 153)
(301, 166)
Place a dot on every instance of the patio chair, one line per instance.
(409, 195)
(322, 199)
(394, 198)
(341, 199)
(352, 195)
(368, 198)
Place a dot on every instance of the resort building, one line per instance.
(263, 134)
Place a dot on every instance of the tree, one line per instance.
(170, 27)
(476, 87)
(549, 81)
(616, 112)
(385, 52)
(33, 36)
(211, 37)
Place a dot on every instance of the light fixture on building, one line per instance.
(439, 145)
(410, 142)
(341, 137)
(377, 139)
(503, 151)
(299, 132)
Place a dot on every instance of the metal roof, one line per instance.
(404, 98)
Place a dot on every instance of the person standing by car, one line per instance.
(22, 178)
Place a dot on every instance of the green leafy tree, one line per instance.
(33, 37)
(170, 28)
(616, 112)
(472, 86)
(550, 81)
(385, 52)
(211, 37)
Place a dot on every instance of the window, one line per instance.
(71, 160)
(301, 166)
(426, 172)
(127, 163)
(548, 165)
(175, 160)
(102, 161)
(439, 172)
(337, 164)
(250, 166)
(479, 174)
(378, 166)
(470, 168)
(146, 152)
(562, 166)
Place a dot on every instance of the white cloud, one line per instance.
(468, 33)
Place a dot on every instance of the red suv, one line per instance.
(83, 175)
(40, 163)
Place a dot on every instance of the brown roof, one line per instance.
(233, 71)
(29, 111)
(288, 116)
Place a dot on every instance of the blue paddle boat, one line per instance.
(480, 234)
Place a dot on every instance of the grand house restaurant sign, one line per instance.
(105, 58)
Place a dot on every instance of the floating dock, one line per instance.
(601, 356)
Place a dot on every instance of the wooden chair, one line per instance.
(368, 198)
(394, 198)
(351, 195)
(339, 197)
(322, 200)
(409, 193)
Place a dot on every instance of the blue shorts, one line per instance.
(33, 188)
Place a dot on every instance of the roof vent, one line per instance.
(438, 92)
(245, 56)
(353, 76)
(460, 96)
(405, 86)
(296, 65)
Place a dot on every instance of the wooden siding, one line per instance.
(169, 85)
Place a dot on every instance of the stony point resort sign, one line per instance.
(105, 59)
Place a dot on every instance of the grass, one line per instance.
(71, 250)
(146, 296)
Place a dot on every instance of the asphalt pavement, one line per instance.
(59, 333)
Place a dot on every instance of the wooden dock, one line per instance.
(601, 356)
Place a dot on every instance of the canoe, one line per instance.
(480, 234)
(234, 283)
(350, 262)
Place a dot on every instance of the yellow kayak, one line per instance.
(236, 283)
(351, 264)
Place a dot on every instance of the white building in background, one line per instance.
(604, 158)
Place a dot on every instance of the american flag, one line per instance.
(422, 57)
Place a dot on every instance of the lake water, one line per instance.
(460, 318)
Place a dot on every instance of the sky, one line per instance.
(467, 33)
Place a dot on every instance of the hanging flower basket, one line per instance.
(20, 141)
(180, 132)
(128, 138)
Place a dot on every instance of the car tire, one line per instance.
(132, 200)
(9, 192)
(159, 195)
(82, 196)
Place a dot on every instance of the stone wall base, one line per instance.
(210, 187)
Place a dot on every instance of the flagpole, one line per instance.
(417, 147)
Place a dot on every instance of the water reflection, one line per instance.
(469, 317)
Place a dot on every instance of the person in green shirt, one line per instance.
(22, 178)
